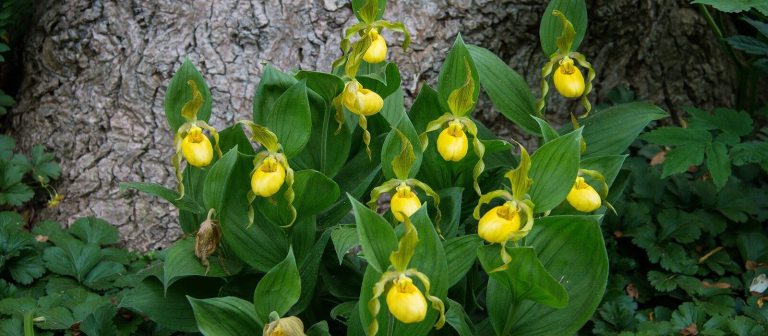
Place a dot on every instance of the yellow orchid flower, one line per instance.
(377, 51)
(499, 223)
(196, 148)
(268, 177)
(583, 197)
(568, 79)
(404, 202)
(452, 143)
(405, 301)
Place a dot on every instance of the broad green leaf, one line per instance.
(278, 290)
(393, 145)
(450, 211)
(218, 179)
(344, 239)
(319, 329)
(326, 150)
(553, 171)
(179, 93)
(92, 230)
(328, 86)
(733, 6)
(291, 120)
(566, 246)
(384, 79)
(376, 236)
(308, 184)
(719, 164)
(547, 132)
(680, 158)
(379, 6)
(612, 130)
(172, 309)
(224, 316)
(457, 318)
(551, 28)
(525, 276)
(461, 251)
(429, 259)
(676, 136)
(508, 91)
(181, 262)
(234, 136)
(186, 203)
(453, 75)
(272, 85)
(309, 269)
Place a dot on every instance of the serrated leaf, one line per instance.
(662, 282)
(44, 166)
(719, 164)
(72, 257)
(677, 136)
(680, 158)
(26, 268)
(92, 230)
(100, 322)
(731, 6)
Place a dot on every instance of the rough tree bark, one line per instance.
(96, 73)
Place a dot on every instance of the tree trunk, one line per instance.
(96, 73)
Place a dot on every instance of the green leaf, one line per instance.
(762, 27)
(508, 91)
(611, 131)
(278, 290)
(100, 322)
(376, 236)
(272, 85)
(92, 230)
(680, 158)
(104, 274)
(737, 123)
(553, 171)
(186, 203)
(12, 327)
(218, 179)
(44, 166)
(383, 79)
(6, 100)
(403, 162)
(73, 258)
(328, 86)
(393, 145)
(358, 9)
(547, 132)
(719, 164)
(18, 306)
(7, 144)
(525, 275)
(461, 251)
(453, 75)
(676, 136)
(566, 246)
(319, 329)
(551, 28)
(224, 316)
(173, 309)
(662, 282)
(457, 318)
(26, 268)
(733, 6)
(181, 262)
(178, 94)
(12, 190)
(291, 120)
(234, 136)
(307, 184)
(344, 239)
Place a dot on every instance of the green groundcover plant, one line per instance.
(333, 210)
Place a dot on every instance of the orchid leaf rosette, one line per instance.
(512, 220)
(370, 47)
(404, 201)
(567, 77)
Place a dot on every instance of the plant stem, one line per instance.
(29, 326)
(390, 324)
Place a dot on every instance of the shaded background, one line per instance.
(95, 74)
